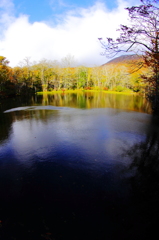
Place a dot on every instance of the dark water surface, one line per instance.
(78, 166)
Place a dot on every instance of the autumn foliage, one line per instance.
(141, 36)
(47, 76)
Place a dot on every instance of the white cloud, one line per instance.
(76, 34)
(6, 6)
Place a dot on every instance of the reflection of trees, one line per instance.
(145, 182)
(5, 127)
(96, 100)
(42, 115)
(7, 119)
(146, 156)
(75, 100)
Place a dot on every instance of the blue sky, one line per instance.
(43, 10)
(54, 29)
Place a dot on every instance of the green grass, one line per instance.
(124, 92)
(83, 90)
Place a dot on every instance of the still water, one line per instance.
(78, 166)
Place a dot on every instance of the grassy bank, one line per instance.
(83, 90)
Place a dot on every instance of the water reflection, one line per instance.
(145, 182)
(100, 134)
(64, 167)
(97, 100)
(86, 100)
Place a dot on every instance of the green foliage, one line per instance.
(120, 89)
(96, 88)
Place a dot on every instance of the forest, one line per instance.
(137, 74)
(48, 76)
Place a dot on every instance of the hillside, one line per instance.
(124, 59)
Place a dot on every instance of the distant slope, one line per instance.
(124, 59)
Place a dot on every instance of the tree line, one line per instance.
(51, 76)
(140, 37)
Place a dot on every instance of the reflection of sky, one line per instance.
(96, 135)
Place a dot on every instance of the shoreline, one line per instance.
(91, 91)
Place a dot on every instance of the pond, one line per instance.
(78, 166)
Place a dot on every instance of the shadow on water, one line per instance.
(145, 182)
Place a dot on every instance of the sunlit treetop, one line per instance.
(3, 61)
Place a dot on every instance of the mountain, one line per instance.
(124, 59)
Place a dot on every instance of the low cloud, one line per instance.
(76, 32)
